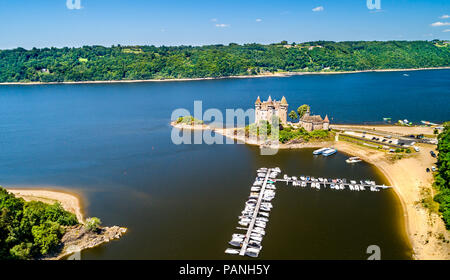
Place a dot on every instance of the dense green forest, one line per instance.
(30, 229)
(442, 177)
(97, 63)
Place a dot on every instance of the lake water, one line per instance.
(112, 143)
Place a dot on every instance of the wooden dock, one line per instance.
(255, 214)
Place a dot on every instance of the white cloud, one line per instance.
(318, 9)
(222, 25)
(440, 24)
(214, 20)
(446, 30)
(258, 20)
(445, 16)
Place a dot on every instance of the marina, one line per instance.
(255, 215)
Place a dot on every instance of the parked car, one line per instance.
(428, 169)
(417, 149)
(432, 154)
(433, 168)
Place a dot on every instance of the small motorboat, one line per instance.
(353, 160)
(256, 238)
(329, 152)
(252, 252)
(264, 214)
(231, 251)
(319, 151)
(235, 243)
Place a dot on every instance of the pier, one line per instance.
(255, 214)
(343, 184)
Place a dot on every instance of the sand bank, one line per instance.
(69, 201)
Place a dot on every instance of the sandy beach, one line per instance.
(267, 75)
(70, 201)
(426, 230)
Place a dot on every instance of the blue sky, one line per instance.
(47, 23)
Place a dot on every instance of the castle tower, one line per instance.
(283, 110)
(326, 123)
(258, 104)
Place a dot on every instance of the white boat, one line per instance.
(353, 160)
(238, 235)
(252, 252)
(357, 188)
(262, 219)
(353, 182)
(235, 243)
(255, 234)
(329, 152)
(351, 187)
(319, 151)
(342, 186)
(232, 251)
(260, 224)
(267, 204)
(362, 188)
(264, 214)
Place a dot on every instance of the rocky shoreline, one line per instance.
(78, 238)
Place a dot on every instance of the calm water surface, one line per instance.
(112, 143)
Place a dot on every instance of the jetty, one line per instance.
(255, 214)
(338, 184)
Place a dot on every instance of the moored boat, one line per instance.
(319, 151)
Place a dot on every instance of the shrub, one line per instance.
(93, 224)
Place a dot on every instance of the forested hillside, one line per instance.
(96, 63)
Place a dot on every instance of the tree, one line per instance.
(47, 236)
(302, 110)
(293, 115)
(93, 224)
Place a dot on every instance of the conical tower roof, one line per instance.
(258, 101)
(326, 119)
(270, 99)
(284, 101)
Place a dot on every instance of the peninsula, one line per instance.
(54, 220)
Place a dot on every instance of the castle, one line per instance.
(314, 122)
(264, 111)
(268, 109)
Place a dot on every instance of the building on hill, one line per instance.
(314, 122)
(264, 111)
